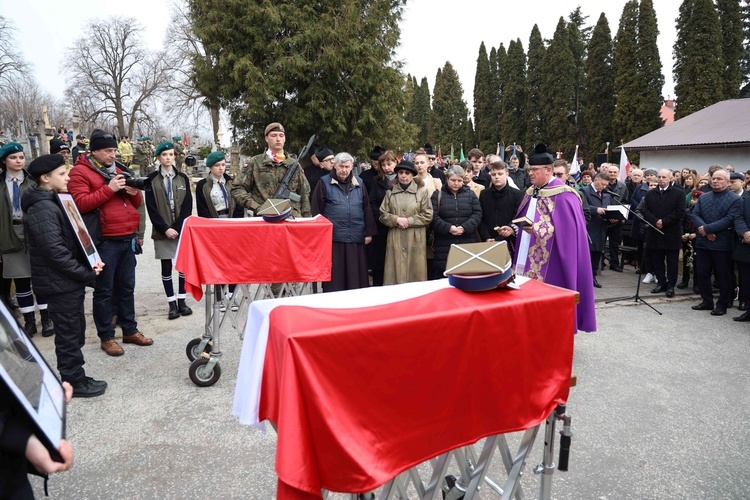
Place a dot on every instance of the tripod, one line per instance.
(637, 297)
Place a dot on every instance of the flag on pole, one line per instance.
(624, 164)
(497, 151)
(574, 170)
(439, 157)
(452, 157)
(462, 157)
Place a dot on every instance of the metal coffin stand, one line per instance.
(473, 470)
(205, 352)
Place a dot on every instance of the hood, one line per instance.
(35, 194)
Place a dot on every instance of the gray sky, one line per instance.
(432, 32)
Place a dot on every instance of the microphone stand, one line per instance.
(637, 297)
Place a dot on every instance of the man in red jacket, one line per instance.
(97, 184)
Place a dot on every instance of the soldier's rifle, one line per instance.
(283, 192)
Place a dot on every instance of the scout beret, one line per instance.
(163, 146)
(214, 157)
(9, 149)
(45, 164)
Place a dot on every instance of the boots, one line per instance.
(10, 302)
(174, 313)
(48, 328)
(183, 308)
(29, 324)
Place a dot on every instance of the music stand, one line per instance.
(637, 297)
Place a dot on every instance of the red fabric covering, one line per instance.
(360, 395)
(216, 251)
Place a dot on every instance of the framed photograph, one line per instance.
(79, 228)
(30, 380)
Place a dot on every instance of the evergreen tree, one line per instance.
(535, 120)
(600, 88)
(449, 111)
(730, 18)
(496, 109)
(650, 76)
(698, 66)
(578, 40)
(513, 114)
(421, 110)
(409, 91)
(627, 85)
(317, 67)
(558, 82)
(745, 58)
(484, 100)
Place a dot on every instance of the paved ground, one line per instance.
(661, 409)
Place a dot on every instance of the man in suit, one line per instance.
(664, 208)
(597, 199)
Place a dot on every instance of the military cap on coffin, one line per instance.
(275, 210)
(476, 267)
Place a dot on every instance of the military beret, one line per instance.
(275, 126)
(736, 175)
(215, 156)
(45, 164)
(141, 139)
(176, 138)
(322, 153)
(163, 146)
(541, 155)
(9, 149)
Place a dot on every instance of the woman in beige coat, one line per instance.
(407, 211)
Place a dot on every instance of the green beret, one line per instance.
(9, 149)
(176, 138)
(149, 138)
(163, 146)
(213, 158)
(141, 139)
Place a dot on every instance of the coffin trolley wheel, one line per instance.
(192, 350)
(202, 374)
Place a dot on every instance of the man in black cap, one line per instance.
(431, 167)
(60, 147)
(79, 148)
(368, 175)
(97, 184)
(322, 163)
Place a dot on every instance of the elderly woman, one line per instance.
(341, 197)
(457, 215)
(376, 190)
(587, 176)
(14, 251)
(406, 211)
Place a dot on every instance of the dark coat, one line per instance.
(597, 224)
(158, 210)
(9, 242)
(636, 231)
(203, 200)
(742, 225)
(499, 207)
(460, 209)
(521, 177)
(58, 264)
(716, 213)
(669, 206)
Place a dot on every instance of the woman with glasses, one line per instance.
(15, 180)
(169, 202)
(406, 211)
(456, 218)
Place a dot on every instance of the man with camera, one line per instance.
(99, 185)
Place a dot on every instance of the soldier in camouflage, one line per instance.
(179, 152)
(265, 172)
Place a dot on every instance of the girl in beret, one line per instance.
(14, 182)
(169, 202)
(214, 201)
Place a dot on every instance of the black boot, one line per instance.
(10, 302)
(174, 313)
(48, 328)
(184, 309)
(29, 324)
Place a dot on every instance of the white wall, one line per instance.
(699, 159)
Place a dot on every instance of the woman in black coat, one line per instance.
(376, 190)
(456, 217)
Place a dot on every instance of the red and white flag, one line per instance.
(624, 165)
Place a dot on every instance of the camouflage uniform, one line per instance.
(148, 150)
(261, 179)
(179, 154)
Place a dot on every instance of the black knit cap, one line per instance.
(57, 145)
(45, 164)
(541, 155)
(102, 140)
(376, 153)
(322, 153)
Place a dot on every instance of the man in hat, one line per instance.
(737, 184)
(179, 152)
(60, 147)
(126, 151)
(368, 175)
(96, 183)
(322, 163)
(554, 247)
(266, 171)
(431, 167)
(80, 147)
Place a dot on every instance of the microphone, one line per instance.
(608, 191)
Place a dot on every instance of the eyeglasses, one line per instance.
(327, 159)
(559, 174)
(431, 158)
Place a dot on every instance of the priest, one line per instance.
(551, 238)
